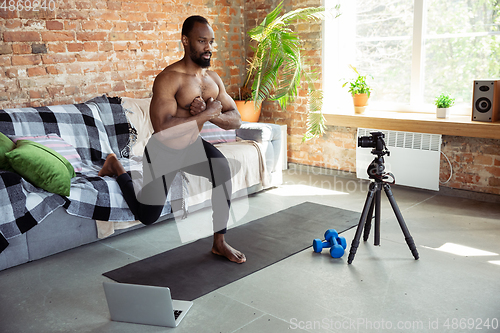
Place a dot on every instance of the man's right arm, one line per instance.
(163, 107)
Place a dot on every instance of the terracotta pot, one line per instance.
(360, 102)
(360, 99)
(247, 112)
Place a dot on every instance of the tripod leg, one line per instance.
(402, 224)
(362, 220)
(378, 196)
(368, 223)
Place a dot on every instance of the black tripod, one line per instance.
(376, 172)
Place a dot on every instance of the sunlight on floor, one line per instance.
(302, 190)
(494, 262)
(461, 250)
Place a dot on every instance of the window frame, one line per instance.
(417, 71)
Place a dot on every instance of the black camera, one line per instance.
(376, 141)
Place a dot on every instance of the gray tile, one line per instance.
(383, 283)
(267, 323)
(305, 292)
(217, 313)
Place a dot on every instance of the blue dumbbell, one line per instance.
(336, 243)
(339, 246)
(318, 245)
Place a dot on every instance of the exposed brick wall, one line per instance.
(86, 48)
(475, 163)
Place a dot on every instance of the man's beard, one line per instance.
(200, 61)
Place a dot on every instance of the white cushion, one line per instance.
(137, 112)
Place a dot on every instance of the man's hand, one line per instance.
(197, 106)
(214, 107)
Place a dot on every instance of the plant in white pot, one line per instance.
(443, 103)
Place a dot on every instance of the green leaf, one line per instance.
(444, 101)
(277, 68)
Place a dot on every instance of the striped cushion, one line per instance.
(214, 134)
(56, 143)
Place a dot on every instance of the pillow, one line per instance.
(41, 166)
(54, 142)
(214, 134)
(6, 145)
(137, 112)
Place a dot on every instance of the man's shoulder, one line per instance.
(171, 72)
(212, 73)
(169, 76)
(214, 76)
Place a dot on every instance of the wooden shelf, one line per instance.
(416, 122)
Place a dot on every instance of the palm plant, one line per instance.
(278, 68)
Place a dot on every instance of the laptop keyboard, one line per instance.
(177, 313)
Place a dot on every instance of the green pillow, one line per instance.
(6, 145)
(42, 166)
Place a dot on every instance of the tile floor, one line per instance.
(453, 287)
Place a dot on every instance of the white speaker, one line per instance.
(486, 100)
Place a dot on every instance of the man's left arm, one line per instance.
(230, 117)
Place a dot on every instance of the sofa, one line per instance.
(39, 221)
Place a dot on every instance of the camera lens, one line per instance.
(366, 141)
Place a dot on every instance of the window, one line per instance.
(414, 49)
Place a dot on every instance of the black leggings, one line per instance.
(216, 170)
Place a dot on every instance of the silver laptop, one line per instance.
(133, 303)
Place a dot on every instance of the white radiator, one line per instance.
(414, 158)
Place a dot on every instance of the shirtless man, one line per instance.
(184, 92)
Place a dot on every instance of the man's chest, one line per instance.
(194, 87)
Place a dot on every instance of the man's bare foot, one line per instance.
(222, 248)
(112, 167)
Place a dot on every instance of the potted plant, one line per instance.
(277, 68)
(360, 91)
(443, 103)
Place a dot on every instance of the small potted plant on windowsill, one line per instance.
(443, 103)
(360, 91)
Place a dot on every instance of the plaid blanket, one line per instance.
(95, 129)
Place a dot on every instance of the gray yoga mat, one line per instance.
(191, 270)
